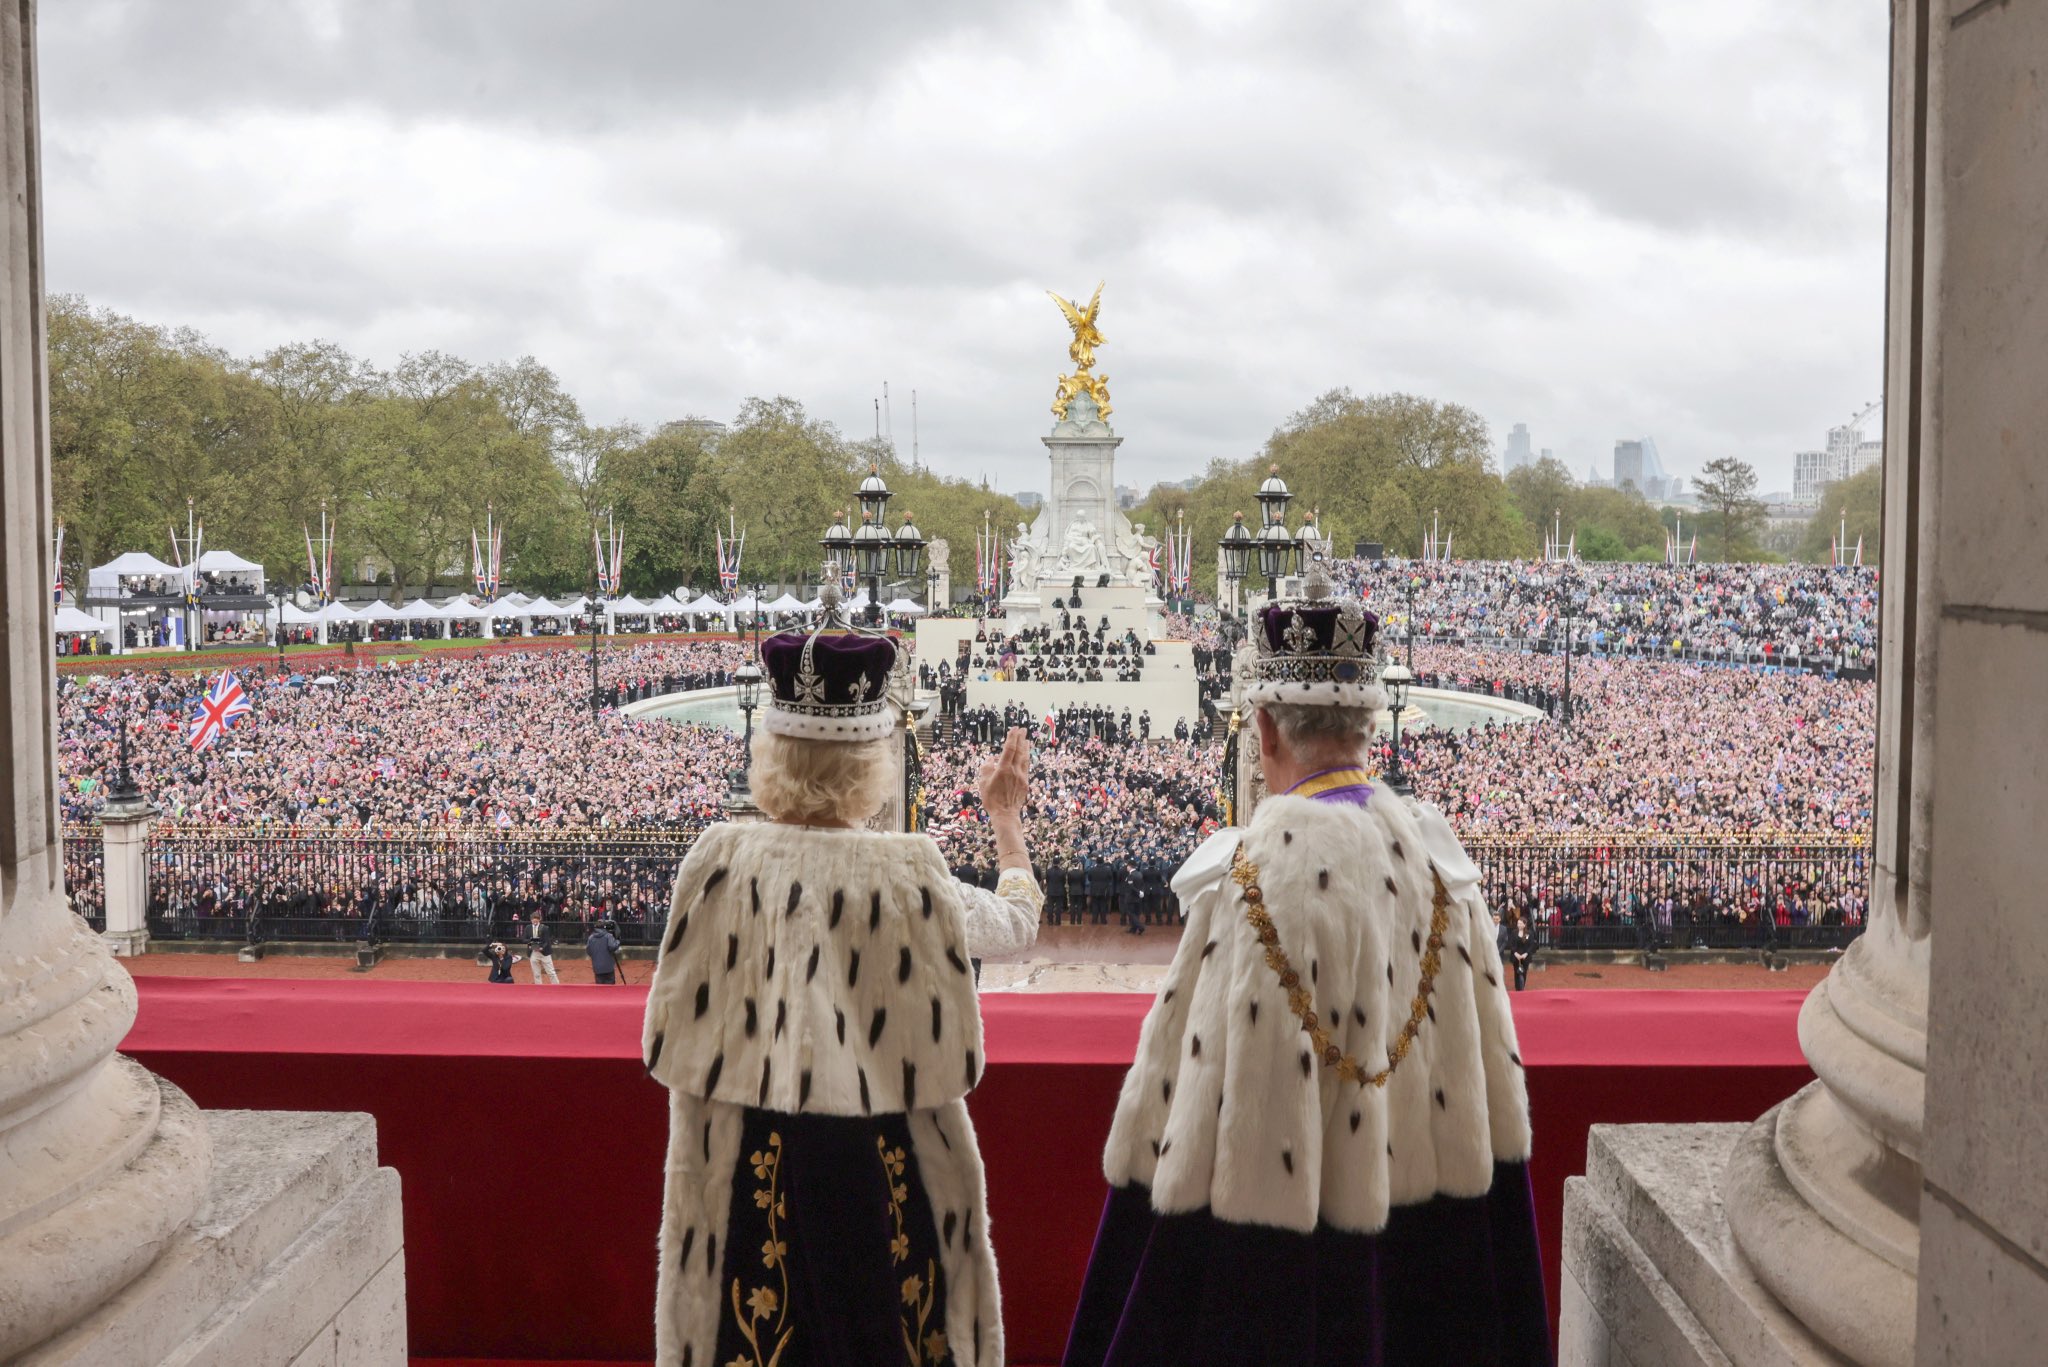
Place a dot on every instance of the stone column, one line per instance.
(1893, 1212)
(124, 854)
(100, 1163)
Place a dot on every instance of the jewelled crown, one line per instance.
(1317, 650)
(830, 683)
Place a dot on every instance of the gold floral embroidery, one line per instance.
(923, 1346)
(1246, 875)
(765, 1315)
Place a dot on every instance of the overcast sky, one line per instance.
(1602, 219)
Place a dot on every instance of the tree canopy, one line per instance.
(411, 459)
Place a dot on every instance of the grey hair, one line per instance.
(1306, 727)
(820, 782)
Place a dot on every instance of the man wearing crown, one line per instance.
(1320, 1154)
(814, 1017)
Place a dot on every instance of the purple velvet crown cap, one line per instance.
(848, 668)
(1321, 621)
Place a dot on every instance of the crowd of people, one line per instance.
(501, 741)
(506, 744)
(1651, 746)
(1812, 616)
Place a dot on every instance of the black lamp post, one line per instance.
(1396, 679)
(1279, 549)
(870, 549)
(1413, 580)
(592, 606)
(747, 687)
(283, 597)
(1567, 595)
(1236, 545)
(122, 788)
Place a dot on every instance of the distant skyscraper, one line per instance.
(1868, 454)
(1517, 454)
(1593, 480)
(1546, 454)
(1812, 471)
(1628, 465)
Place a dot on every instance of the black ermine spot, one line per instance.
(796, 894)
(875, 1025)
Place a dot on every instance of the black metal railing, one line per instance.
(85, 876)
(1581, 892)
(471, 887)
(1633, 891)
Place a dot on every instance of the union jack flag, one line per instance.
(223, 706)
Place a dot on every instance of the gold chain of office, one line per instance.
(1246, 875)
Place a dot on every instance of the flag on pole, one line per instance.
(223, 706)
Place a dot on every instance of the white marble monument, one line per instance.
(1080, 533)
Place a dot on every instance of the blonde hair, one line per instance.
(820, 782)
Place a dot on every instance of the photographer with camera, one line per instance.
(603, 945)
(502, 960)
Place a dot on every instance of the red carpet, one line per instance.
(529, 1139)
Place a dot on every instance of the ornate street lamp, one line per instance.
(1279, 549)
(870, 550)
(1236, 545)
(1396, 680)
(747, 687)
(870, 557)
(909, 546)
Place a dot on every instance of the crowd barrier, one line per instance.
(1615, 892)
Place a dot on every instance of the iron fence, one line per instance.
(1632, 891)
(85, 876)
(1579, 892)
(469, 887)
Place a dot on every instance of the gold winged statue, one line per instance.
(1082, 350)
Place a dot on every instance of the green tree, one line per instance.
(1859, 499)
(1726, 490)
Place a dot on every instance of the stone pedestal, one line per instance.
(1651, 1275)
(294, 1257)
(124, 843)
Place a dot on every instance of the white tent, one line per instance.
(418, 610)
(379, 611)
(627, 606)
(747, 603)
(104, 580)
(666, 606)
(572, 608)
(70, 620)
(541, 607)
(339, 612)
(223, 562)
(460, 609)
(904, 607)
(789, 602)
(704, 605)
(296, 616)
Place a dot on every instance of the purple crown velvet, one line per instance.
(828, 685)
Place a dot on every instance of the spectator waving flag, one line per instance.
(223, 706)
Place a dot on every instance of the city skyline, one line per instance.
(1673, 226)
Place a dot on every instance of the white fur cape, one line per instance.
(811, 971)
(1227, 1109)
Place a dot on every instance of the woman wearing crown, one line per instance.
(1320, 1154)
(814, 1017)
